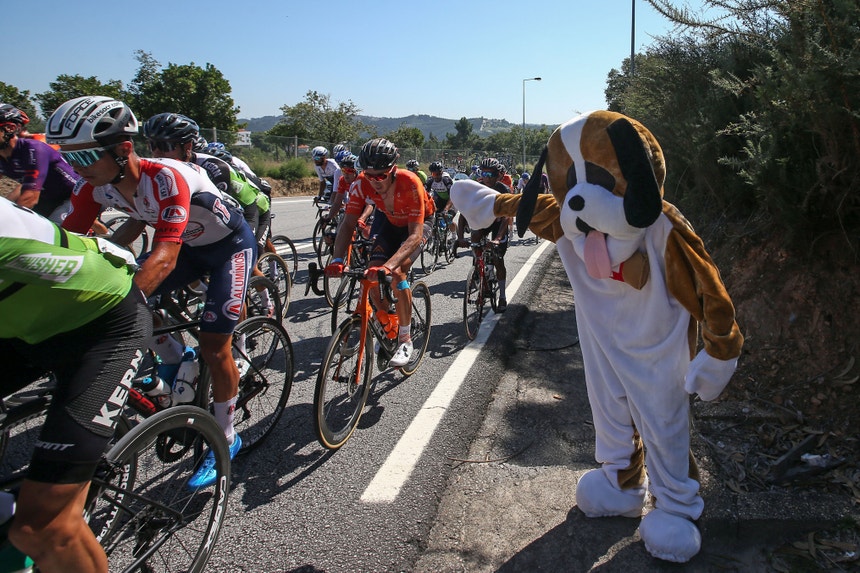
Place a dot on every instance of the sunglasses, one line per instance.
(377, 177)
(489, 174)
(163, 145)
(347, 170)
(85, 157)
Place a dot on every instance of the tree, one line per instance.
(68, 87)
(145, 78)
(403, 136)
(464, 138)
(22, 100)
(316, 119)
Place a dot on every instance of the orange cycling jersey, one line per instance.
(411, 201)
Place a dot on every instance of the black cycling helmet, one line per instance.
(412, 165)
(491, 164)
(435, 167)
(200, 144)
(378, 154)
(11, 114)
(349, 161)
(173, 127)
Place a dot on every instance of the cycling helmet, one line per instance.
(412, 165)
(349, 161)
(339, 156)
(319, 152)
(491, 164)
(172, 127)
(378, 154)
(525, 175)
(91, 119)
(338, 148)
(435, 167)
(474, 167)
(502, 168)
(200, 144)
(11, 114)
(215, 146)
(221, 154)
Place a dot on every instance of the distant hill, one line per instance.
(428, 124)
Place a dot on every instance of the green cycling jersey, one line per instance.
(52, 281)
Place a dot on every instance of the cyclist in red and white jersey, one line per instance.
(198, 230)
(325, 168)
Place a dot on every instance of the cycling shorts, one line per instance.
(228, 263)
(389, 238)
(94, 366)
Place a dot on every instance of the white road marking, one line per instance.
(391, 477)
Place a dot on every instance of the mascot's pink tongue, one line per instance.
(597, 255)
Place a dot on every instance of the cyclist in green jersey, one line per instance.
(68, 305)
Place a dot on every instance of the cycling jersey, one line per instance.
(37, 165)
(175, 198)
(226, 178)
(52, 281)
(411, 201)
(327, 170)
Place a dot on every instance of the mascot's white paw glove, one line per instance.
(708, 376)
(475, 201)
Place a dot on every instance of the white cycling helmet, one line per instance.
(97, 120)
(319, 152)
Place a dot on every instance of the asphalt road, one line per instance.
(369, 506)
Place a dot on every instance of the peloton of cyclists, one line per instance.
(198, 229)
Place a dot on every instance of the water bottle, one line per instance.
(156, 387)
(389, 323)
(185, 385)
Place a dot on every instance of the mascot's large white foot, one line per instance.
(670, 537)
(597, 497)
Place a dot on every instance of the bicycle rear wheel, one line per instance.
(140, 245)
(419, 327)
(266, 367)
(275, 269)
(473, 304)
(255, 302)
(144, 514)
(287, 251)
(342, 385)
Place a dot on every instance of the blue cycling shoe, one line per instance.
(206, 475)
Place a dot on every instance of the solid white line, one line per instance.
(391, 477)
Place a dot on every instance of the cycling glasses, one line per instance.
(489, 174)
(163, 145)
(85, 157)
(347, 170)
(377, 177)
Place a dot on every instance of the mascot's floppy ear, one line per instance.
(530, 195)
(642, 200)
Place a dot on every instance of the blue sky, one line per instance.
(391, 58)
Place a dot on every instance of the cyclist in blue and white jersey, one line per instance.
(325, 168)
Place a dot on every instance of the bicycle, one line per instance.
(481, 285)
(343, 381)
(139, 245)
(345, 298)
(441, 242)
(139, 505)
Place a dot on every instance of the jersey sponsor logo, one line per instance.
(53, 446)
(173, 214)
(221, 210)
(48, 267)
(209, 316)
(238, 272)
(165, 183)
(192, 231)
(107, 415)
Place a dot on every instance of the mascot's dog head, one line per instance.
(606, 172)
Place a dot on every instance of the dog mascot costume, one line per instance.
(643, 284)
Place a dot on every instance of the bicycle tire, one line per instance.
(419, 328)
(275, 268)
(140, 245)
(345, 301)
(286, 249)
(450, 243)
(331, 285)
(493, 290)
(152, 520)
(341, 388)
(266, 385)
(254, 302)
(473, 304)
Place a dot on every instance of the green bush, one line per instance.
(292, 170)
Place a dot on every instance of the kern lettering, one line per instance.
(107, 416)
(54, 268)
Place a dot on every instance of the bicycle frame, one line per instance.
(364, 309)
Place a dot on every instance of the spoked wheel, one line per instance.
(450, 243)
(261, 299)
(473, 304)
(140, 245)
(275, 269)
(344, 301)
(264, 356)
(287, 251)
(145, 514)
(492, 292)
(331, 285)
(429, 254)
(342, 385)
(419, 327)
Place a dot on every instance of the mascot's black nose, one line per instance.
(576, 203)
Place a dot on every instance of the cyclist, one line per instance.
(197, 230)
(524, 180)
(498, 231)
(475, 174)
(505, 177)
(325, 168)
(69, 306)
(412, 165)
(400, 226)
(45, 180)
(349, 172)
(439, 187)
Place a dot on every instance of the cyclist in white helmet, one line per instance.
(326, 168)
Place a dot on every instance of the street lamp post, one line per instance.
(524, 117)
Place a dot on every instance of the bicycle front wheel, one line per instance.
(287, 250)
(146, 516)
(342, 385)
(473, 304)
(450, 243)
(345, 301)
(275, 269)
(419, 328)
(264, 356)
